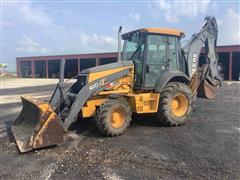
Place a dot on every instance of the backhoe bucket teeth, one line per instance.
(37, 125)
(207, 90)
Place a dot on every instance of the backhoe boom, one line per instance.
(209, 73)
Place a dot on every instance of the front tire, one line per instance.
(175, 104)
(113, 116)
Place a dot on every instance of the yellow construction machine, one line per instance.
(154, 74)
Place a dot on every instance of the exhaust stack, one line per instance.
(62, 68)
(119, 43)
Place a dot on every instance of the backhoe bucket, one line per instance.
(207, 90)
(37, 125)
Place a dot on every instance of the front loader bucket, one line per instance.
(207, 90)
(37, 125)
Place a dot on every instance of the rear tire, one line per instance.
(113, 116)
(175, 104)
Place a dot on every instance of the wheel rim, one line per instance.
(179, 105)
(117, 118)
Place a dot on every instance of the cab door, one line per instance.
(162, 55)
(156, 59)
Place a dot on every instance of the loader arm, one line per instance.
(62, 99)
(204, 79)
(87, 92)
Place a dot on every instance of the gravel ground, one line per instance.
(207, 147)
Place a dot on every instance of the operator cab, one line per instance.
(153, 51)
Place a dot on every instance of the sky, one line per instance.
(41, 27)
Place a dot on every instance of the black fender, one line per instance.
(171, 76)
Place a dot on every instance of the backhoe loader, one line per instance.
(154, 74)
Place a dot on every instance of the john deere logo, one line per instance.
(94, 86)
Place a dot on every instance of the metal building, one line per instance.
(229, 57)
(48, 66)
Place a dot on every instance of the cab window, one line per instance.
(172, 55)
(156, 49)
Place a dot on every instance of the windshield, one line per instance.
(133, 47)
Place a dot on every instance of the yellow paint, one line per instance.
(179, 105)
(89, 110)
(166, 31)
(100, 74)
(114, 92)
(117, 118)
(121, 86)
(144, 102)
